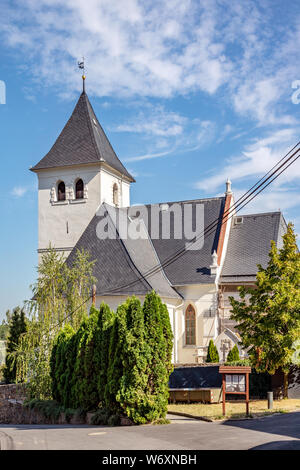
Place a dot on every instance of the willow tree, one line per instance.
(60, 294)
(268, 315)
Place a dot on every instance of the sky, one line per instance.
(189, 93)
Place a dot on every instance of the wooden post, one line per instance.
(247, 394)
(223, 387)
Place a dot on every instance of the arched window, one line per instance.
(79, 189)
(190, 325)
(115, 194)
(61, 191)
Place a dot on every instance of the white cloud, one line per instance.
(19, 191)
(161, 49)
(257, 159)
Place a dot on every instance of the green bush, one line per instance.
(101, 417)
(120, 362)
(212, 353)
(233, 354)
(114, 420)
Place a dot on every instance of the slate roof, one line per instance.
(82, 141)
(124, 262)
(249, 245)
(193, 266)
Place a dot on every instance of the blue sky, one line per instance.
(188, 92)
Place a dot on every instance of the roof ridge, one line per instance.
(86, 101)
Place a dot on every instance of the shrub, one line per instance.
(101, 417)
(233, 354)
(212, 353)
(114, 420)
(158, 336)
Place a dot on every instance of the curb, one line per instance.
(6, 442)
(187, 415)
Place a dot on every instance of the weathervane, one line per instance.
(81, 66)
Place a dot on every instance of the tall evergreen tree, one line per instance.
(233, 354)
(158, 336)
(268, 316)
(212, 353)
(17, 328)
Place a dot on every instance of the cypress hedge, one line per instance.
(119, 361)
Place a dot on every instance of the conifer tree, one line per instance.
(212, 353)
(158, 336)
(268, 316)
(104, 331)
(134, 356)
(17, 328)
(233, 354)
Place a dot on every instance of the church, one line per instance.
(82, 186)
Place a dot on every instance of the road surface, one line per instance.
(280, 431)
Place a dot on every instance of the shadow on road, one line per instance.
(279, 445)
(282, 424)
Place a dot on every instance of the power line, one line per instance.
(261, 184)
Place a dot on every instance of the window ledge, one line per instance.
(59, 203)
(78, 201)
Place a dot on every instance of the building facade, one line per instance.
(84, 198)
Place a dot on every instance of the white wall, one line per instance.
(61, 223)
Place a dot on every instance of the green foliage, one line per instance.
(101, 417)
(17, 328)
(212, 353)
(158, 336)
(240, 362)
(268, 316)
(48, 408)
(119, 362)
(59, 294)
(233, 354)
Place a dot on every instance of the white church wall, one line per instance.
(107, 181)
(203, 299)
(63, 222)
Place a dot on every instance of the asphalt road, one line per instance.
(280, 431)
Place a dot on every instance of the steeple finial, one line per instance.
(228, 187)
(81, 66)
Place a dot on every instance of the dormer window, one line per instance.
(115, 195)
(61, 191)
(79, 189)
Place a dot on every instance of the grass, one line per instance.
(235, 410)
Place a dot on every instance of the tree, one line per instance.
(158, 336)
(212, 353)
(60, 296)
(4, 327)
(17, 327)
(233, 354)
(268, 316)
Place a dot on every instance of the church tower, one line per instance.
(78, 174)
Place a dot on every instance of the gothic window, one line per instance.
(115, 194)
(79, 189)
(61, 191)
(190, 326)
